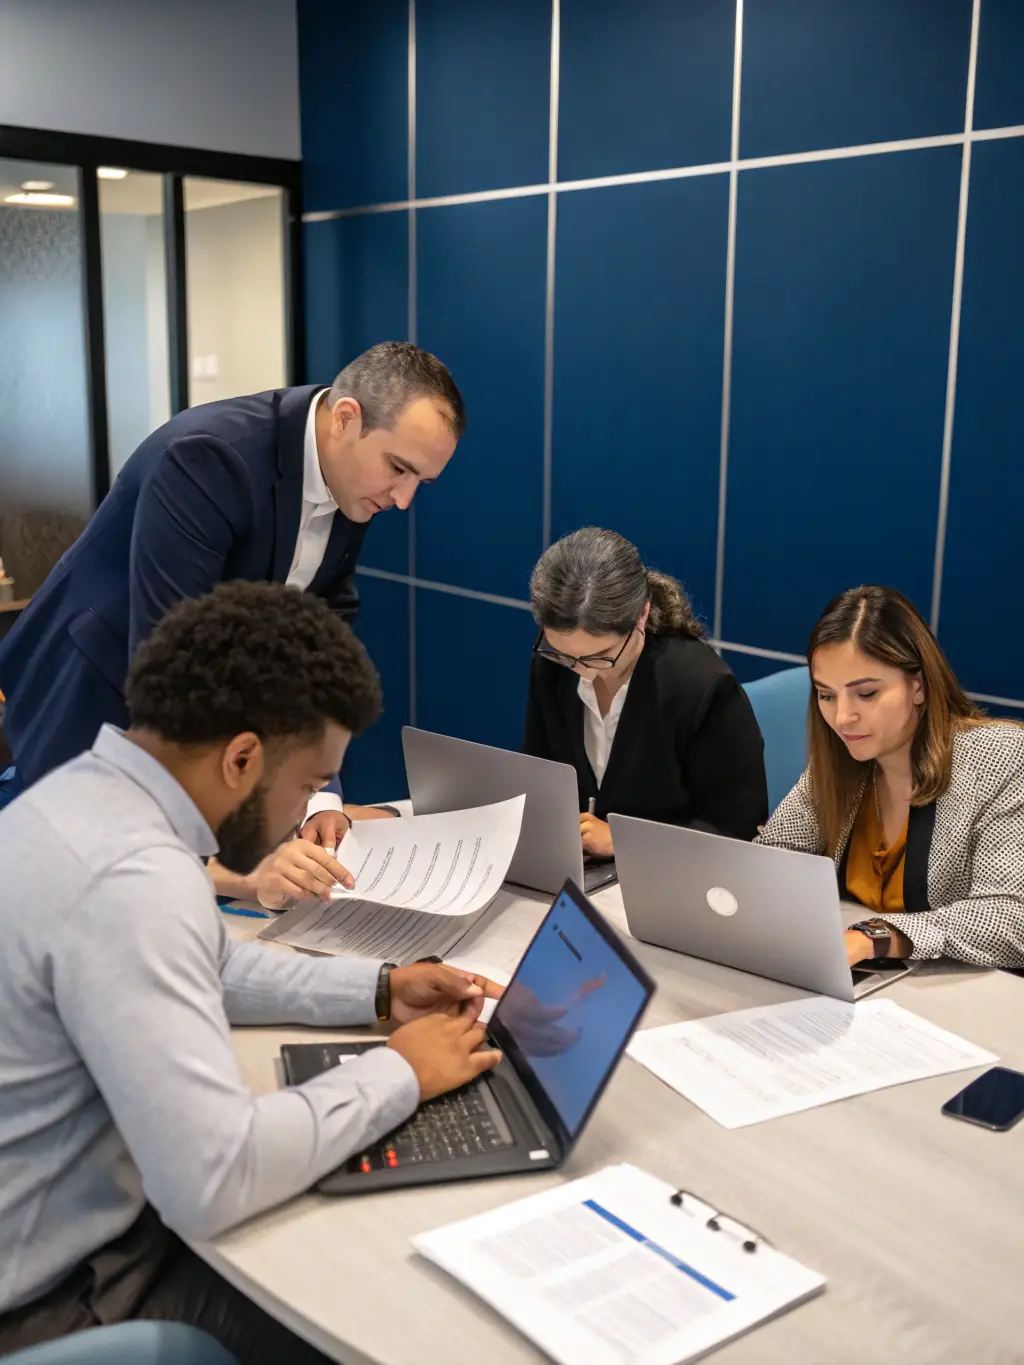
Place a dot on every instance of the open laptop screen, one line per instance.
(570, 1010)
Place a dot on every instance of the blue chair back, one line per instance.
(129, 1343)
(780, 705)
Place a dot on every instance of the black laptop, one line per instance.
(562, 1024)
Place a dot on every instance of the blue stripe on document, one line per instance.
(660, 1251)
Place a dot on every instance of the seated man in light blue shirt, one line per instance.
(124, 1120)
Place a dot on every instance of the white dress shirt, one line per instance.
(599, 731)
(318, 509)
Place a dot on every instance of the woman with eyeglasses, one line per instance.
(911, 789)
(625, 687)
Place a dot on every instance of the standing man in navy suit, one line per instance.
(278, 486)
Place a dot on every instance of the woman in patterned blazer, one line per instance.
(916, 795)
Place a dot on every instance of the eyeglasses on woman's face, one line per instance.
(592, 661)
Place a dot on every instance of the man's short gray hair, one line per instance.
(385, 379)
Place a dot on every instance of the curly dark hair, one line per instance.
(251, 656)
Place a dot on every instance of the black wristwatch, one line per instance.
(382, 999)
(878, 932)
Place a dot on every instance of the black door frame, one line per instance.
(86, 154)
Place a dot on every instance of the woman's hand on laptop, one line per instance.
(858, 947)
(425, 988)
(444, 1049)
(596, 836)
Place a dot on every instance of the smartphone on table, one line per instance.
(994, 1100)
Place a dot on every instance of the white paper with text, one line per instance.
(761, 1063)
(420, 883)
(608, 1271)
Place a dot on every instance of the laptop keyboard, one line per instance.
(464, 1123)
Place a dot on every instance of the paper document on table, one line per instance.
(607, 1270)
(761, 1063)
(420, 883)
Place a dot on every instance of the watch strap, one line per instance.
(878, 932)
(382, 997)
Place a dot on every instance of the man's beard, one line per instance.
(243, 838)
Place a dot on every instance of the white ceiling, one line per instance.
(139, 192)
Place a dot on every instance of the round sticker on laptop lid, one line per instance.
(721, 901)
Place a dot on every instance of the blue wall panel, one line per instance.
(639, 320)
(981, 616)
(999, 90)
(354, 63)
(645, 86)
(473, 664)
(838, 73)
(481, 309)
(374, 769)
(843, 296)
(483, 94)
(358, 269)
(843, 286)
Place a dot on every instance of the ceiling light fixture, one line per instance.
(42, 201)
(111, 172)
(37, 184)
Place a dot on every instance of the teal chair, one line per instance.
(780, 705)
(129, 1343)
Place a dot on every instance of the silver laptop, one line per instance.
(762, 910)
(453, 774)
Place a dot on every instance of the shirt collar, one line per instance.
(588, 697)
(184, 816)
(314, 489)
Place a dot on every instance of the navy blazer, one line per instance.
(214, 494)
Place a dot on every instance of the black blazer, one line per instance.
(687, 750)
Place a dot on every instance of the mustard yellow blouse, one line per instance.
(874, 873)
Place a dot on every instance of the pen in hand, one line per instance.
(591, 805)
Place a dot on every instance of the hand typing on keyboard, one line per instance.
(444, 1050)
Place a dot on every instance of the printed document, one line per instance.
(420, 884)
(761, 1063)
(607, 1270)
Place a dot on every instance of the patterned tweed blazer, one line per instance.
(963, 877)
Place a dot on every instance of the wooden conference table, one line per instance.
(916, 1219)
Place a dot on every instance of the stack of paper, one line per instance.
(421, 883)
(760, 1063)
(609, 1271)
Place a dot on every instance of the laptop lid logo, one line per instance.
(721, 901)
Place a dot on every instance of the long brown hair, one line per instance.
(885, 625)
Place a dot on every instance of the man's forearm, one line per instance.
(265, 986)
(228, 883)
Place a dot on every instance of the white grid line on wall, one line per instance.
(553, 187)
(730, 295)
(412, 324)
(914, 144)
(549, 278)
(954, 325)
(516, 604)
